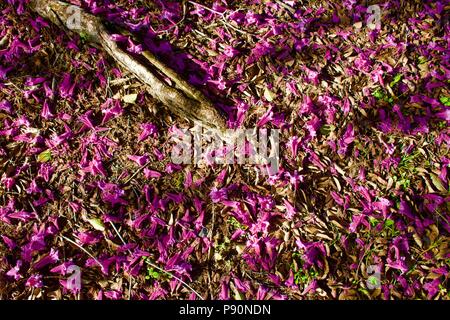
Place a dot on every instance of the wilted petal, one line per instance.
(35, 281)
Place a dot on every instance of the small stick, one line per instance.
(159, 268)
(137, 172)
(83, 249)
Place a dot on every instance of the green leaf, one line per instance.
(445, 101)
(422, 60)
(84, 36)
(373, 221)
(396, 79)
(97, 224)
(152, 274)
(378, 94)
(390, 100)
(373, 281)
(44, 156)
(442, 124)
(327, 128)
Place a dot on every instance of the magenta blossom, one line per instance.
(148, 129)
(66, 87)
(35, 281)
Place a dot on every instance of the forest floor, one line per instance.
(359, 208)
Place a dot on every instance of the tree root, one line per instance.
(183, 100)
